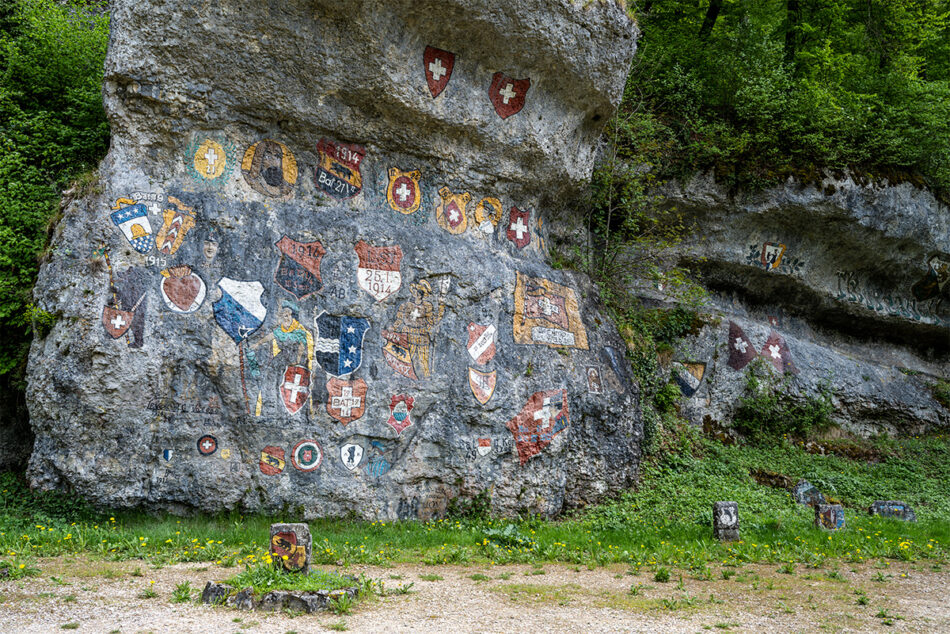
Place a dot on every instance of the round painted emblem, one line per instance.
(207, 445)
(307, 455)
(209, 159)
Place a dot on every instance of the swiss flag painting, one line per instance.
(776, 352)
(507, 94)
(741, 350)
(438, 65)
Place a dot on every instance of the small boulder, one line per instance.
(273, 601)
(290, 546)
(806, 493)
(829, 516)
(726, 521)
(216, 593)
(893, 508)
(243, 600)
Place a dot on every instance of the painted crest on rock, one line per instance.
(741, 351)
(338, 345)
(210, 161)
(116, 322)
(183, 291)
(338, 173)
(772, 253)
(377, 272)
(546, 313)
(126, 315)
(410, 338)
(298, 271)
(352, 455)
(295, 388)
(688, 376)
(307, 455)
(207, 445)
(507, 95)
(347, 399)
(488, 214)
(935, 284)
(403, 191)
(400, 407)
(177, 220)
(481, 342)
(272, 460)
(239, 312)
(482, 384)
(167, 455)
(776, 352)
(269, 167)
(518, 230)
(438, 66)
(483, 446)
(132, 219)
(285, 550)
(450, 213)
(595, 384)
(543, 417)
(380, 460)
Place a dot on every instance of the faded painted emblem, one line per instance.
(507, 95)
(488, 214)
(688, 376)
(518, 231)
(543, 417)
(935, 284)
(177, 221)
(182, 290)
(438, 65)
(117, 322)
(450, 213)
(210, 161)
(411, 336)
(403, 192)
(298, 271)
(338, 343)
(351, 454)
(338, 173)
(546, 313)
(483, 446)
(741, 350)
(295, 388)
(347, 399)
(307, 455)
(771, 256)
(379, 462)
(481, 342)
(129, 304)
(399, 408)
(272, 460)
(269, 167)
(776, 352)
(132, 219)
(377, 272)
(594, 383)
(482, 384)
(207, 445)
(239, 312)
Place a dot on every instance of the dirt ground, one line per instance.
(93, 596)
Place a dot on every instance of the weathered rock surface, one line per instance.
(314, 277)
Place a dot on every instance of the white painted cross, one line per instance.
(295, 388)
(403, 192)
(437, 69)
(212, 157)
(117, 322)
(546, 413)
(740, 345)
(453, 215)
(346, 403)
(507, 93)
(206, 445)
(548, 307)
(519, 227)
(774, 350)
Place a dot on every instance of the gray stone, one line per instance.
(165, 394)
(806, 493)
(275, 600)
(829, 516)
(242, 600)
(216, 593)
(726, 521)
(893, 508)
(290, 546)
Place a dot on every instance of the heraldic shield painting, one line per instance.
(547, 314)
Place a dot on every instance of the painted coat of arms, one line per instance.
(272, 460)
(183, 291)
(450, 213)
(741, 351)
(338, 173)
(377, 272)
(481, 342)
(298, 271)
(410, 338)
(546, 313)
(352, 455)
(177, 221)
(438, 65)
(776, 352)
(239, 312)
(210, 161)
(543, 417)
(403, 192)
(507, 95)
(347, 399)
(518, 231)
(132, 219)
(269, 168)
(399, 408)
(307, 455)
(488, 214)
(338, 343)
(295, 388)
(482, 384)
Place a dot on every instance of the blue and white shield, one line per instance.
(339, 342)
(239, 312)
(133, 221)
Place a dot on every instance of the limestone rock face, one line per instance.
(312, 275)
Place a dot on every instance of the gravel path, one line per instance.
(104, 597)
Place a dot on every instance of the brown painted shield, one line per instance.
(507, 94)
(438, 65)
(298, 271)
(115, 321)
(518, 230)
(347, 399)
(741, 350)
(482, 384)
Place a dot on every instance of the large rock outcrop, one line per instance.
(314, 274)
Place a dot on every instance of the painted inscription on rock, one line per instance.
(507, 94)
(400, 408)
(269, 168)
(339, 342)
(546, 313)
(518, 231)
(450, 213)
(935, 284)
(210, 161)
(131, 218)
(488, 214)
(307, 455)
(403, 191)
(183, 291)
(298, 271)
(437, 66)
(851, 289)
(338, 173)
(481, 342)
(480, 447)
(378, 272)
(177, 220)
(346, 401)
(482, 384)
(543, 417)
(410, 338)
(272, 460)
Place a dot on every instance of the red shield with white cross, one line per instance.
(115, 321)
(507, 94)
(438, 65)
(295, 387)
(347, 399)
(740, 347)
(518, 231)
(776, 352)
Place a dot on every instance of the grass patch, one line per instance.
(265, 577)
(430, 577)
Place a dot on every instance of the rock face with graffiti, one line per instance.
(296, 292)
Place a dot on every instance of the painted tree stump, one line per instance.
(290, 546)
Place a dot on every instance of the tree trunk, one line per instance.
(712, 14)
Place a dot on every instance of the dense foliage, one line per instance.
(52, 128)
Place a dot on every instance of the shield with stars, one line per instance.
(450, 213)
(518, 230)
(776, 352)
(132, 219)
(338, 345)
(741, 350)
(347, 399)
(298, 271)
(482, 384)
(295, 387)
(403, 191)
(307, 455)
(481, 342)
(507, 94)
(438, 65)
(543, 417)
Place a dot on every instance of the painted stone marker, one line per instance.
(543, 417)
(270, 169)
(726, 521)
(546, 313)
(291, 547)
(829, 516)
(210, 161)
(893, 508)
(808, 494)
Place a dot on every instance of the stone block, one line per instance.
(893, 508)
(726, 521)
(806, 493)
(216, 593)
(829, 516)
(290, 546)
